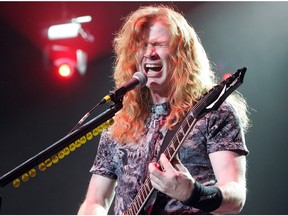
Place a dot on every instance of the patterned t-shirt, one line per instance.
(216, 131)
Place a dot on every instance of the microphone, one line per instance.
(138, 78)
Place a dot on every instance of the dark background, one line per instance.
(38, 108)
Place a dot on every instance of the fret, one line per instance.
(141, 199)
(172, 146)
(180, 135)
(169, 154)
(187, 122)
(133, 209)
(176, 142)
(149, 184)
(149, 187)
(145, 188)
(138, 203)
(144, 193)
(177, 139)
(185, 127)
(190, 119)
(171, 150)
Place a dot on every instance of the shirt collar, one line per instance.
(160, 109)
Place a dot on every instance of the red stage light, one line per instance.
(65, 67)
(64, 70)
(67, 62)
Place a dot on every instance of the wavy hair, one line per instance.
(191, 69)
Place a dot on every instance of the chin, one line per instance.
(154, 86)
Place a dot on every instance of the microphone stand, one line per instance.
(62, 143)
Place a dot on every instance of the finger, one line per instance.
(165, 163)
(152, 167)
(154, 170)
(155, 175)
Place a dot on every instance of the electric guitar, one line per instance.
(210, 101)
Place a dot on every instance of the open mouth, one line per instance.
(153, 67)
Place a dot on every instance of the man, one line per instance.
(208, 174)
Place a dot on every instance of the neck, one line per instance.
(158, 99)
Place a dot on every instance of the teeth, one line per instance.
(153, 65)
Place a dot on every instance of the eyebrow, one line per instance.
(155, 42)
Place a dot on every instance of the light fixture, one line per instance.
(66, 56)
(67, 60)
(82, 19)
(69, 30)
(63, 31)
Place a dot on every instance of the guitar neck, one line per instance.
(141, 198)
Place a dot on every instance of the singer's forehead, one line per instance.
(156, 33)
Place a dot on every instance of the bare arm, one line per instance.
(99, 196)
(230, 171)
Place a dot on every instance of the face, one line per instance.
(153, 59)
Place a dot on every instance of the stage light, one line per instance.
(65, 61)
(65, 67)
(82, 19)
(70, 30)
(63, 31)
(64, 70)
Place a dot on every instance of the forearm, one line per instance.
(92, 209)
(234, 197)
(99, 196)
(230, 172)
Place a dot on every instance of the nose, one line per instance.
(150, 51)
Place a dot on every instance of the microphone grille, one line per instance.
(142, 78)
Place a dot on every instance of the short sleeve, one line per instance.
(104, 164)
(224, 131)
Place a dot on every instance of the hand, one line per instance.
(174, 181)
